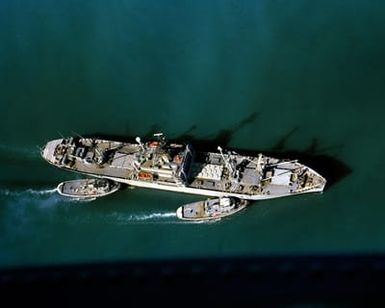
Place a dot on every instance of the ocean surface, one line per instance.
(302, 79)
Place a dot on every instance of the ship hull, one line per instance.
(78, 189)
(176, 168)
(208, 193)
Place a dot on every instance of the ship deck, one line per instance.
(175, 167)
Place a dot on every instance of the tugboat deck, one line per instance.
(87, 188)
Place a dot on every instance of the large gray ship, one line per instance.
(177, 167)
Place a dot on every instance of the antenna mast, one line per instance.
(227, 162)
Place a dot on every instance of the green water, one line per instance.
(286, 76)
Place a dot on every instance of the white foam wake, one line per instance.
(26, 192)
(152, 216)
(158, 218)
(22, 199)
(155, 216)
(41, 192)
(27, 152)
(143, 217)
(80, 200)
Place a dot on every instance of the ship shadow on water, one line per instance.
(333, 169)
(315, 156)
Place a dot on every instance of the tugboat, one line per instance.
(87, 188)
(211, 209)
(163, 165)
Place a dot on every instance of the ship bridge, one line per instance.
(170, 164)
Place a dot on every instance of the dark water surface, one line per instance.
(298, 78)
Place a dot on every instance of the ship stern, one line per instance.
(48, 151)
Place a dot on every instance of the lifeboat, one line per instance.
(177, 159)
(145, 176)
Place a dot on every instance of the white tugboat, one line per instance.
(211, 209)
(176, 167)
(87, 188)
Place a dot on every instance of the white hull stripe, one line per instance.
(202, 192)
